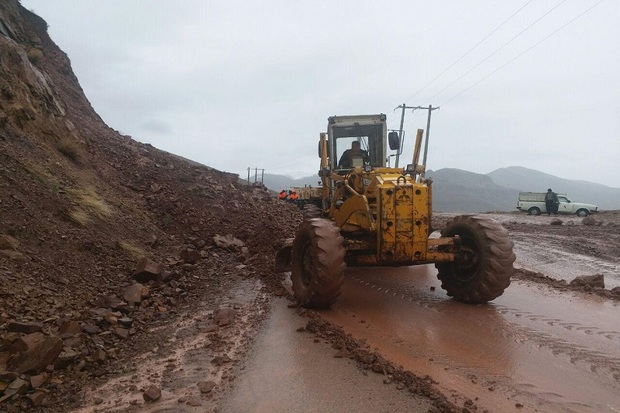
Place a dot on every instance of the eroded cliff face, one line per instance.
(30, 99)
(80, 206)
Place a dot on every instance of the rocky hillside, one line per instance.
(455, 190)
(99, 234)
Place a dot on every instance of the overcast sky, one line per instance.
(237, 84)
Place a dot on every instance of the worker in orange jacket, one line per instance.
(282, 195)
(293, 196)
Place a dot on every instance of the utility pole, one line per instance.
(428, 131)
(404, 107)
(262, 175)
(400, 133)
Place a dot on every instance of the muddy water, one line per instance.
(288, 371)
(182, 357)
(532, 349)
(555, 262)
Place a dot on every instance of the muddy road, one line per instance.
(540, 347)
(530, 347)
(535, 348)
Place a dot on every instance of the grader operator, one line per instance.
(371, 214)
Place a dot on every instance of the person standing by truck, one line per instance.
(551, 202)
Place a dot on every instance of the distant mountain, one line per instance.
(456, 190)
(523, 179)
(280, 182)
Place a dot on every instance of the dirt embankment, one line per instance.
(81, 206)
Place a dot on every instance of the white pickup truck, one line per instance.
(534, 204)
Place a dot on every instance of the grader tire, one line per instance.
(486, 272)
(317, 263)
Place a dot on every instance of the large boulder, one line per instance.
(27, 342)
(36, 359)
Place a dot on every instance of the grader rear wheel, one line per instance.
(317, 263)
(485, 271)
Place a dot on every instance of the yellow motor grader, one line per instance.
(371, 214)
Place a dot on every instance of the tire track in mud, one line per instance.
(587, 347)
(596, 360)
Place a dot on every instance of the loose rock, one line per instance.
(147, 270)
(135, 293)
(224, 316)
(38, 358)
(206, 386)
(152, 394)
(24, 327)
(190, 256)
(590, 221)
(228, 242)
(69, 327)
(592, 281)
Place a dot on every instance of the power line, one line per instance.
(468, 52)
(500, 48)
(521, 54)
(275, 168)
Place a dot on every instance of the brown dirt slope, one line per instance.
(80, 204)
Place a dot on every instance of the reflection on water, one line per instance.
(528, 343)
(435, 326)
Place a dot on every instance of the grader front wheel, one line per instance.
(317, 263)
(486, 266)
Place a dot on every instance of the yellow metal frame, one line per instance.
(396, 208)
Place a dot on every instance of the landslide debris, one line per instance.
(589, 284)
(102, 237)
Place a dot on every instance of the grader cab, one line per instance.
(372, 214)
